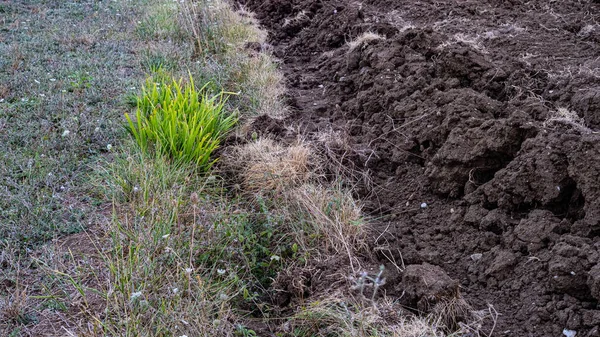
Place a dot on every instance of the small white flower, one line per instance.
(188, 270)
(183, 336)
(96, 129)
(109, 147)
(66, 133)
(135, 295)
(53, 80)
(42, 95)
(424, 205)
(1, 100)
(175, 290)
(221, 271)
(275, 257)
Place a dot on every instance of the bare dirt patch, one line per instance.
(476, 123)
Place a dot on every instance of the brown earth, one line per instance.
(476, 122)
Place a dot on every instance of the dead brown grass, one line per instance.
(364, 39)
(334, 214)
(449, 313)
(330, 315)
(267, 167)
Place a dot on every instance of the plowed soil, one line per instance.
(477, 124)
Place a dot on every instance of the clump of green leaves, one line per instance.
(178, 121)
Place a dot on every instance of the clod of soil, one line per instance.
(486, 111)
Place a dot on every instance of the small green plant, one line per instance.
(79, 81)
(179, 121)
(243, 331)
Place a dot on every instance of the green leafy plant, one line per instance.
(79, 81)
(179, 121)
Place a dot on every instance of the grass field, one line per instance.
(103, 237)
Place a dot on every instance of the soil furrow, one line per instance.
(477, 124)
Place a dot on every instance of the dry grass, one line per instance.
(14, 307)
(567, 117)
(224, 34)
(449, 313)
(269, 168)
(363, 39)
(340, 315)
(334, 215)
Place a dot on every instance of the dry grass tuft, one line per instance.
(332, 316)
(269, 168)
(334, 215)
(14, 306)
(449, 313)
(364, 39)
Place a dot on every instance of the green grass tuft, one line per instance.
(179, 121)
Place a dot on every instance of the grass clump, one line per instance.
(183, 250)
(179, 121)
(221, 37)
(321, 216)
(341, 315)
